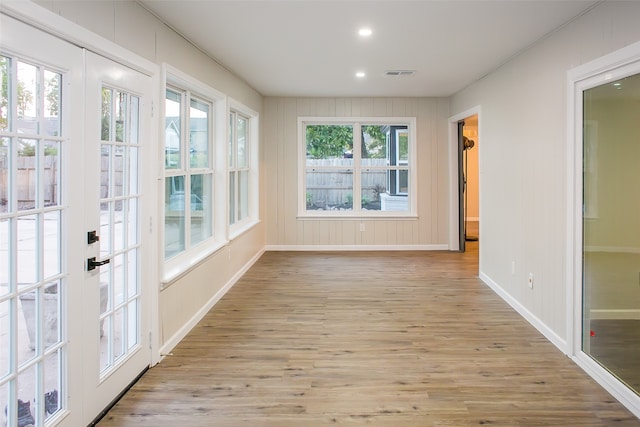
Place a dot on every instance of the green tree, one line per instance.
(327, 141)
(377, 142)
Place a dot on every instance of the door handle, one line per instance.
(92, 263)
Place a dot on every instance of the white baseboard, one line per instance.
(186, 328)
(529, 317)
(357, 247)
(615, 314)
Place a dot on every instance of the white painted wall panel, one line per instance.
(281, 141)
(523, 160)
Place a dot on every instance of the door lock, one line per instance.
(92, 263)
(92, 237)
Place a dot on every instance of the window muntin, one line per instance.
(188, 171)
(357, 167)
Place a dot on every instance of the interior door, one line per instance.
(117, 339)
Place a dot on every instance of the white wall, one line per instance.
(129, 25)
(523, 159)
(280, 137)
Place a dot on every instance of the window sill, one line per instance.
(185, 262)
(407, 216)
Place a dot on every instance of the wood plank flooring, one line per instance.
(365, 338)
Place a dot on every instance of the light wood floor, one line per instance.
(376, 338)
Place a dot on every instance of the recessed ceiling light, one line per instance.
(360, 74)
(365, 32)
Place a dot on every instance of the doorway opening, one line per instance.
(464, 150)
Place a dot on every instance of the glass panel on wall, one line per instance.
(611, 228)
(200, 208)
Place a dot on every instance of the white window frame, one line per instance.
(357, 123)
(181, 263)
(252, 152)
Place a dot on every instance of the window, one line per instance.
(356, 167)
(242, 153)
(188, 162)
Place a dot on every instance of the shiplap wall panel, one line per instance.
(281, 136)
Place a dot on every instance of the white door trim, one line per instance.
(615, 65)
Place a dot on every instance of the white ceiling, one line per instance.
(312, 48)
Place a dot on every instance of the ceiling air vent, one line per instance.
(399, 73)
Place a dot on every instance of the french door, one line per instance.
(73, 311)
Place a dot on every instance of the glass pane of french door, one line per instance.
(611, 228)
(119, 199)
(33, 277)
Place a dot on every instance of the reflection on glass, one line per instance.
(121, 114)
(51, 314)
(27, 119)
(107, 108)
(4, 175)
(132, 222)
(232, 197)
(132, 273)
(4, 257)
(374, 144)
(27, 173)
(329, 142)
(26, 254)
(5, 106)
(243, 194)
(242, 142)
(329, 189)
(199, 134)
(51, 173)
(200, 208)
(5, 329)
(173, 121)
(118, 165)
(51, 244)
(117, 226)
(106, 215)
(133, 170)
(105, 171)
(26, 383)
(132, 324)
(52, 383)
(116, 338)
(611, 228)
(52, 103)
(27, 342)
(118, 279)
(134, 118)
(174, 214)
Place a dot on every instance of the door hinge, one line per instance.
(150, 335)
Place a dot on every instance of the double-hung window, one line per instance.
(357, 167)
(242, 154)
(188, 171)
